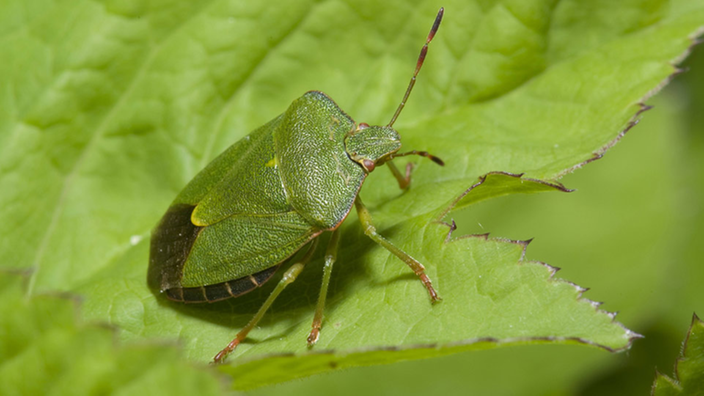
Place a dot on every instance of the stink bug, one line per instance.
(268, 196)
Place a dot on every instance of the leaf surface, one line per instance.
(45, 350)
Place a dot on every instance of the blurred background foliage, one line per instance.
(632, 232)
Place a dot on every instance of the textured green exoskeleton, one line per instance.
(269, 195)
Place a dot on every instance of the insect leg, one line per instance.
(330, 257)
(289, 276)
(403, 181)
(366, 218)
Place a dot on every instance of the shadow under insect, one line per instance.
(296, 303)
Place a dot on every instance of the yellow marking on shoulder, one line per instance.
(194, 218)
(272, 163)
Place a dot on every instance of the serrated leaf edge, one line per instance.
(553, 270)
(695, 39)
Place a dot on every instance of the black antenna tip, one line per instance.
(436, 160)
(441, 12)
(436, 25)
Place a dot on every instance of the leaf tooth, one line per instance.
(452, 226)
(553, 270)
(595, 304)
(679, 70)
(633, 335)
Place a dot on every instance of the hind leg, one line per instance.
(289, 276)
(330, 257)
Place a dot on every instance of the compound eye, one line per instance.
(368, 165)
(362, 125)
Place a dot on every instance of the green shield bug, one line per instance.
(268, 196)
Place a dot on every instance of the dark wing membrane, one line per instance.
(171, 243)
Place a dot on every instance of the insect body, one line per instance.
(267, 197)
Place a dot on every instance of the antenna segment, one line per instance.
(419, 64)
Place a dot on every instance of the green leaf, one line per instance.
(44, 350)
(598, 229)
(108, 109)
(689, 368)
(377, 311)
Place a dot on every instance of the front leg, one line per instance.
(403, 181)
(366, 218)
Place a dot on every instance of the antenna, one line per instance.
(422, 154)
(419, 64)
